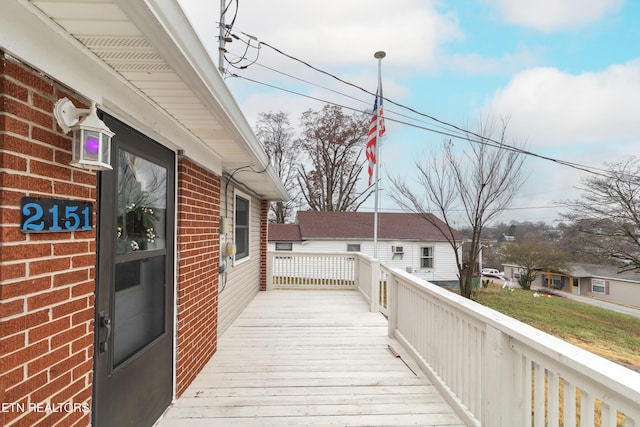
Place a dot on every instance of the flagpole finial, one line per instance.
(379, 54)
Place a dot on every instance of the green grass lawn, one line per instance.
(612, 335)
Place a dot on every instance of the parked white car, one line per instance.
(492, 272)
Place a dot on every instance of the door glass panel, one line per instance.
(140, 274)
(139, 306)
(142, 204)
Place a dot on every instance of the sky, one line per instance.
(565, 74)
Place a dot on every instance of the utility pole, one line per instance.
(221, 38)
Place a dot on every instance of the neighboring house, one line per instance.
(589, 280)
(111, 300)
(405, 240)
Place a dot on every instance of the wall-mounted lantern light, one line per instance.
(91, 137)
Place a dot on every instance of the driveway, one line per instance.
(631, 311)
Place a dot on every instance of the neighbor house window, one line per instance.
(426, 257)
(284, 246)
(241, 231)
(353, 247)
(598, 286)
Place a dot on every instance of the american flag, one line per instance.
(376, 128)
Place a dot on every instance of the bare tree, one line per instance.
(607, 216)
(533, 255)
(334, 143)
(276, 134)
(469, 187)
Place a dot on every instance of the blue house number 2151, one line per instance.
(50, 215)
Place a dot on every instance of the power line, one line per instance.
(481, 139)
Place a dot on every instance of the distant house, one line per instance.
(405, 240)
(589, 280)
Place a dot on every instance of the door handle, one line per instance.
(105, 331)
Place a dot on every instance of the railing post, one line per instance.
(374, 265)
(499, 397)
(392, 303)
(269, 271)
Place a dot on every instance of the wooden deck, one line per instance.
(309, 358)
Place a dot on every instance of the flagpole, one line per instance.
(378, 55)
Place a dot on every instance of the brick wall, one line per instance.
(198, 254)
(47, 280)
(264, 237)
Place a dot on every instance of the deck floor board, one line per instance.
(309, 358)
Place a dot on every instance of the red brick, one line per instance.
(23, 110)
(25, 287)
(68, 393)
(11, 308)
(71, 277)
(23, 389)
(80, 261)
(67, 336)
(50, 170)
(22, 323)
(14, 90)
(85, 177)
(11, 234)
(84, 343)
(70, 248)
(27, 148)
(15, 125)
(49, 329)
(45, 361)
(8, 379)
(68, 308)
(26, 183)
(83, 316)
(48, 298)
(66, 366)
(83, 289)
(29, 78)
(81, 371)
(12, 343)
(25, 251)
(64, 158)
(11, 198)
(51, 387)
(23, 356)
(67, 189)
(53, 265)
(42, 103)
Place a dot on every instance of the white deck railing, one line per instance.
(311, 270)
(495, 370)
(501, 372)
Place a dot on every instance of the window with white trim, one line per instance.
(241, 232)
(353, 247)
(598, 286)
(426, 257)
(284, 246)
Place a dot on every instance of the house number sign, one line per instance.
(50, 215)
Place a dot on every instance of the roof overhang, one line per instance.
(142, 62)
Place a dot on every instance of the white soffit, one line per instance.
(106, 28)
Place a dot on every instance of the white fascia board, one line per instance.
(187, 55)
(32, 37)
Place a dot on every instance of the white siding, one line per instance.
(444, 258)
(243, 279)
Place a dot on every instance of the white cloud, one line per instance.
(507, 64)
(551, 108)
(551, 15)
(349, 32)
